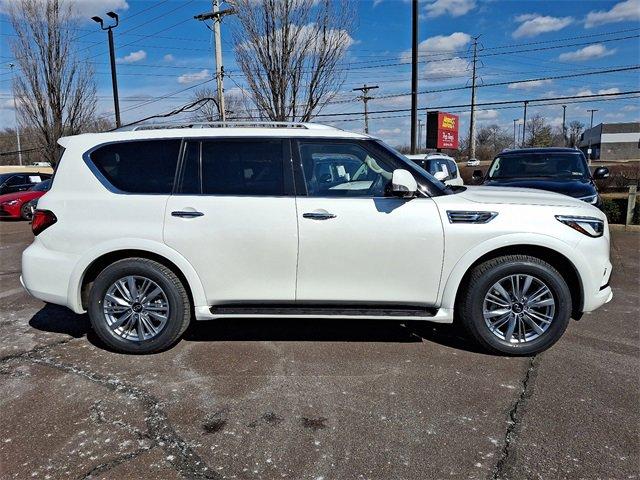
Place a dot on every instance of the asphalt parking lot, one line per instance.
(317, 399)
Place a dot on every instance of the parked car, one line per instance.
(144, 229)
(561, 170)
(473, 162)
(16, 205)
(20, 181)
(441, 166)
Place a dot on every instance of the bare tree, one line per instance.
(235, 105)
(575, 131)
(56, 89)
(290, 53)
(539, 132)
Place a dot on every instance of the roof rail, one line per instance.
(226, 124)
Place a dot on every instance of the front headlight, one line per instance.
(592, 199)
(11, 203)
(590, 226)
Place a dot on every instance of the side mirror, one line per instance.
(477, 175)
(403, 184)
(600, 173)
(440, 175)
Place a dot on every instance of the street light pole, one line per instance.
(112, 55)
(514, 132)
(15, 111)
(593, 110)
(524, 122)
(564, 127)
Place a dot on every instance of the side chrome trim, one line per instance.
(464, 216)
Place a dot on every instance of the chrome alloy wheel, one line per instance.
(135, 308)
(518, 308)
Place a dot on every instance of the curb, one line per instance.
(615, 227)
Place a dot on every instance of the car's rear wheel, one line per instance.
(137, 305)
(25, 211)
(516, 304)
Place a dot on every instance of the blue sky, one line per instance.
(162, 50)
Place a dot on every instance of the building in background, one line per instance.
(612, 141)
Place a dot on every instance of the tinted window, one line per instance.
(448, 167)
(16, 180)
(343, 170)
(248, 167)
(190, 175)
(42, 186)
(139, 167)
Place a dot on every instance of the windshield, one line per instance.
(527, 165)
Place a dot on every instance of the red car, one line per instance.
(15, 205)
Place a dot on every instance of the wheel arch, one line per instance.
(86, 271)
(560, 260)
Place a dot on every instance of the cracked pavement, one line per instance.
(273, 399)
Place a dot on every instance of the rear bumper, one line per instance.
(46, 273)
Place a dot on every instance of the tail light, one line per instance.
(42, 219)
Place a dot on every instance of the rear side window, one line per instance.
(146, 166)
(253, 167)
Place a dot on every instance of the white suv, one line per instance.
(148, 229)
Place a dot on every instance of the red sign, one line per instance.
(447, 131)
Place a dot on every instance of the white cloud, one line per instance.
(629, 108)
(609, 90)
(628, 11)
(194, 77)
(169, 58)
(587, 53)
(388, 131)
(529, 85)
(455, 67)
(82, 9)
(486, 114)
(532, 24)
(455, 8)
(585, 92)
(133, 57)
(439, 44)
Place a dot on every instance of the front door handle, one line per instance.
(186, 214)
(318, 215)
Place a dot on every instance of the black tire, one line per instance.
(176, 295)
(485, 275)
(25, 212)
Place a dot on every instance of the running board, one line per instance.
(362, 312)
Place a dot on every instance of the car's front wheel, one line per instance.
(516, 304)
(138, 305)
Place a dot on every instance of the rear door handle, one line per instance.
(186, 214)
(318, 215)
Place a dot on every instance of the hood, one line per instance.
(22, 196)
(519, 196)
(566, 186)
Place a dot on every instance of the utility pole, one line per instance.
(564, 126)
(112, 55)
(592, 111)
(524, 122)
(414, 74)
(216, 15)
(472, 119)
(365, 98)
(15, 111)
(515, 120)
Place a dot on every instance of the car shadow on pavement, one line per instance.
(329, 330)
(56, 319)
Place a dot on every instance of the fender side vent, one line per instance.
(459, 216)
